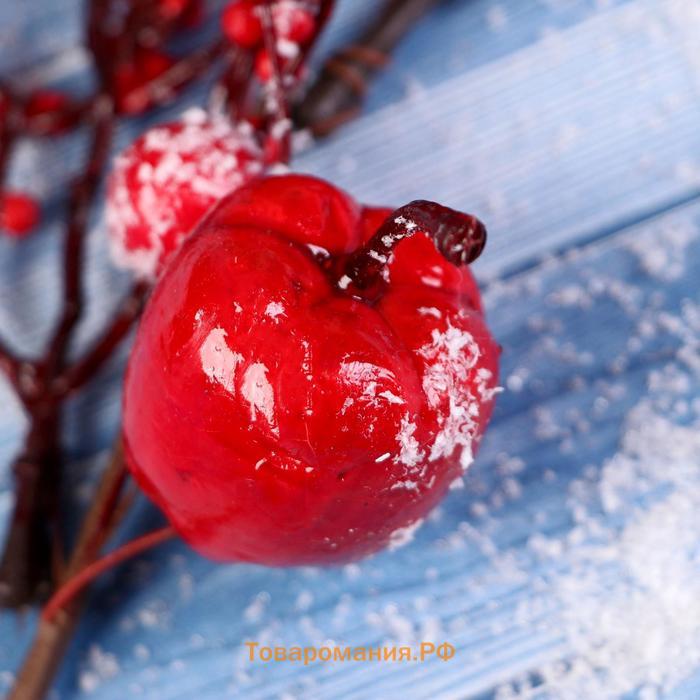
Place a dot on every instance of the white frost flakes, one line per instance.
(391, 397)
(344, 282)
(258, 392)
(410, 453)
(661, 250)
(256, 609)
(195, 116)
(219, 362)
(368, 377)
(377, 256)
(287, 49)
(482, 383)
(361, 373)
(466, 459)
(274, 309)
(383, 458)
(452, 355)
(406, 485)
(101, 666)
(457, 484)
(406, 223)
(626, 588)
(403, 535)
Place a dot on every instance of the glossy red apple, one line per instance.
(309, 375)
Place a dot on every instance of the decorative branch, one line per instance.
(337, 95)
(278, 146)
(10, 366)
(52, 637)
(73, 378)
(32, 542)
(83, 192)
(75, 585)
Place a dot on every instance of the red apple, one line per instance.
(279, 413)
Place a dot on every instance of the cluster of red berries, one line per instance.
(293, 22)
(50, 112)
(42, 112)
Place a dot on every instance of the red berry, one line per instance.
(19, 213)
(170, 9)
(51, 105)
(167, 179)
(278, 420)
(263, 65)
(293, 22)
(132, 78)
(241, 24)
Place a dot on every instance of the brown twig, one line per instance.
(52, 638)
(41, 385)
(337, 95)
(63, 597)
(82, 194)
(74, 377)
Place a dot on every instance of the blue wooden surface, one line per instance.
(572, 127)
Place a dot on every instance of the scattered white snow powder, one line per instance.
(410, 453)
(256, 609)
(369, 378)
(274, 309)
(100, 666)
(628, 600)
(452, 354)
(403, 535)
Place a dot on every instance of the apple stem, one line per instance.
(77, 583)
(460, 238)
(51, 639)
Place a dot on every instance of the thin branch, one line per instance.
(52, 638)
(10, 366)
(82, 194)
(83, 370)
(69, 590)
(182, 73)
(279, 142)
(338, 93)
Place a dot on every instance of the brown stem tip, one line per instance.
(459, 237)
